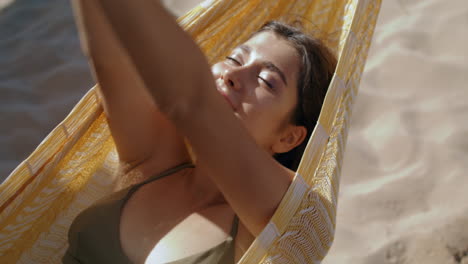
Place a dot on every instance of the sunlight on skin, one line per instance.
(186, 239)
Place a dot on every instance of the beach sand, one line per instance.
(404, 185)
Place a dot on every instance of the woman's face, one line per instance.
(259, 81)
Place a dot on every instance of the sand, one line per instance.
(404, 187)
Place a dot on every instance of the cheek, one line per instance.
(262, 121)
(262, 116)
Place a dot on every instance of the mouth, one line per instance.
(226, 97)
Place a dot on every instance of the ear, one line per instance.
(289, 139)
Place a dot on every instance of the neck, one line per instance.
(202, 189)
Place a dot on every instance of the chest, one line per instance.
(159, 221)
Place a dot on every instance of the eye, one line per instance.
(266, 82)
(233, 60)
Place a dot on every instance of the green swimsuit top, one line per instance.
(94, 236)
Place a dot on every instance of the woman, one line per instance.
(157, 89)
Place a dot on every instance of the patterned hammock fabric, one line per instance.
(76, 163)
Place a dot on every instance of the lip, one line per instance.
(226, 96)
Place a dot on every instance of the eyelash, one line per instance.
(267, 83)
(234, 60)
(237, 62)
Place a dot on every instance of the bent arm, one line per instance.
(141, 132)
(177, 75)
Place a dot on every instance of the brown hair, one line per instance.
(315, 74)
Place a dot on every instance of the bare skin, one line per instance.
(235, 126)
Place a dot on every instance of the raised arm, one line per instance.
(139, 129)
(177, 75)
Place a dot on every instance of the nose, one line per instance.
(232, 78)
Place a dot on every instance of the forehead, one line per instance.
(268, 46)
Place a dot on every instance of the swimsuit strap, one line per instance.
(165, 173)
(235, 227)
(235, 224)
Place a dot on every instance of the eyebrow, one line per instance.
(267, 64)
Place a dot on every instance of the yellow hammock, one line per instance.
(77, 162)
